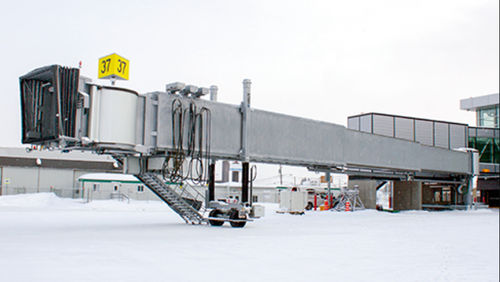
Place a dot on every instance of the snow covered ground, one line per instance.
(45, 238)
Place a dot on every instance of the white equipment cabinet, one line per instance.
(293, 201)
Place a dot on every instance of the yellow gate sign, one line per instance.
(113, 67)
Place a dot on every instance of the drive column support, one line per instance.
(211, 181)
(244, 182)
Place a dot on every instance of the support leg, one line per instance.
(244, 183)
(211, 181)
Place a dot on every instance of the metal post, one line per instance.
(253, 174)
(211, 181)
(246, 92)
(245, 105)
(468, 196)
(281, 174)
(329, 190)
(38, 180)
(211, 166)
(213, 93)
(244, 182)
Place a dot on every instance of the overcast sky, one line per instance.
(323, 60)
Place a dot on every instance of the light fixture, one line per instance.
(202, 91)
(189, 89)
(174, 87)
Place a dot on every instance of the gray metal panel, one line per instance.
(424, 132)
(226, 126)
(472, 132)
(474, 103)
(365, 123)
(404, 128)
(281, 137)
(383, 125)
(56, 179)
(278, 138)
(150, 119)
(353, 123)
(486, 132)
(225, 129)
(362, 149)
(458, 138)
(20, 178)
(140, 120)
(441, 138)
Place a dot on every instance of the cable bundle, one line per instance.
(197, 124)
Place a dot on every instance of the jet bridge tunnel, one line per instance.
(178, 134)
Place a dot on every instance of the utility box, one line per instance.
(293, 201)
(258, 211)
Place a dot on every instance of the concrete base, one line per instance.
(407, 195)
(367, 191)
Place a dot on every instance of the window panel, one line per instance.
(404, 128)
(423, 132)
(383, 125)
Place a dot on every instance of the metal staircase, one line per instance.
(182, 202)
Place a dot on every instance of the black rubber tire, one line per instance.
(309, 206)
(213, 222)
(234, 215)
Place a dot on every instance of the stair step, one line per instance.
(171, 198)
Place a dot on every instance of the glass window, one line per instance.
(485, 148)
(235, 176)
(489, 148)
(472, 142)
(496, 151)
(488, 117)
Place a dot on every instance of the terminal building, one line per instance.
(485, 137)
(447, 135)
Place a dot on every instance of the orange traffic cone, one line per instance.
(347, 206)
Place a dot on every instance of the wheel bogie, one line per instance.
(214, 222)
(232, 216)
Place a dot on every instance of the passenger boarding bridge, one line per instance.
(177, 135)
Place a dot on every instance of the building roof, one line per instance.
(108, 177)
(21, 157)
(23, 152)
(475, 103)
